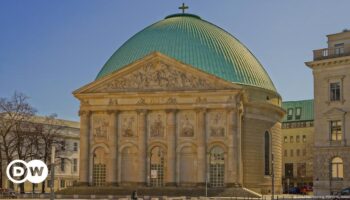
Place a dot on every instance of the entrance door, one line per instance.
(217, 167)
(157, 167)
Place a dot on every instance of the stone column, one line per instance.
(202, 146)
(84, 147)
(112, 143)
(171, 154)
(231, 172)
(143, 151)
(239, 146)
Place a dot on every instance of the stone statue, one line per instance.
(216, 128)
(157, 128)
(127, 127)
(187, 128)
(100, 127)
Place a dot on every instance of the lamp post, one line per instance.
(272, 178)
(52, 182)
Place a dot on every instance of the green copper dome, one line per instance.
(196, 42)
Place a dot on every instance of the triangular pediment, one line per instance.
(335, 112)
(156, 72)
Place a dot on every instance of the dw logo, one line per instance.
(35, 171)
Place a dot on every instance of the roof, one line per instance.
(196, 42)
(307, 110)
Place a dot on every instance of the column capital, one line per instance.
(84, 112)
(201, 109)
(171, 110)
(142, 111)
(112, 112)
(230, 108)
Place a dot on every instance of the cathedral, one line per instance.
(182, 103)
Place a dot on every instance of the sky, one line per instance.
(48, 49)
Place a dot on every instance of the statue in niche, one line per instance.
(187, 128)
(101, 127)
(127, 127)
(216, 128)
(157, 127)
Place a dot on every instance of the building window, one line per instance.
(285, 139)
(63, 145)
(63, 183)
(290, 113)
(304, 152)
(288, 170)
(62, 164)
(285, 152)
(291, 153)
(291, 139)
(337, 168)
(334, 91)
(75, 146)
(301, 169)
(298, 152)
(75, 165)
(267, 155)
(297, 138)
(339, 49)
(336, 130)
(298, 113)
(304, 138)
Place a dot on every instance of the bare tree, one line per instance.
(13, 112)
(48, 133)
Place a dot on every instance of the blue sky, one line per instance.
(50, 48)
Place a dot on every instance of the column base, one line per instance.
(201, 184)
(236, 185)
(82, 184)
(112, 184)
(170, 184)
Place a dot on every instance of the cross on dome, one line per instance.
(183, 7)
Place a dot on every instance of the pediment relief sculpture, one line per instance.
(159, 76)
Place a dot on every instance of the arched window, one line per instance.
(217, 167)
(267, 153)
(337, 168)
(157, 167)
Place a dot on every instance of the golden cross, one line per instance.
(183, 7)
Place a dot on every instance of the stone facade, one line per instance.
(331, 70)
(297, 154)
(159, 122)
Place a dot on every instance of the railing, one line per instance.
(332, 52)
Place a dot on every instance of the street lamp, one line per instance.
(52, 182)
(272, 178)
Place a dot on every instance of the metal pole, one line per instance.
(272, 178)
(206, 185)
(52, 182)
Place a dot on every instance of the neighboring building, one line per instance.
(331, 70)
(67, 162)
(298, 139)
(180, 101)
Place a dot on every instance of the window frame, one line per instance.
(337, 133)
(290, 112)
(267, 155)
(339, 166)
(298, 116)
